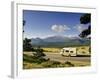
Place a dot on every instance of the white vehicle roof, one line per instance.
(68, 48)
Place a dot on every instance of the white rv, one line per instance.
(70, 51)
(76, 51)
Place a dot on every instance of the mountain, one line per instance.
(56, 39)
(36, 40)
(59, 41)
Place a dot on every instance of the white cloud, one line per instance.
(81, 27)
(60, 28)
(70, 36)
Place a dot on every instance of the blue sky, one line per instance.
(43, 24)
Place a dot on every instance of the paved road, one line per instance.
(58, 57)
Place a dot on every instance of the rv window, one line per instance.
(71, 51)
(67, 51)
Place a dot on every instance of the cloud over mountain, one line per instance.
(59, 28)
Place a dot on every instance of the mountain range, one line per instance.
(59, 41)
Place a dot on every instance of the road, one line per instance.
(58, 57)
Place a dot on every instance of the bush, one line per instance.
(51, 64)
(69, 63)
(39, 52)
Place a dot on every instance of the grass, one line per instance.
(32, 59)
(30, 62)
(46, 64)
(80, 63)
(52, 49)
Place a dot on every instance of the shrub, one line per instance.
(69, 63)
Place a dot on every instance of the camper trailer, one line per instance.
(68, 51)
(75, 51)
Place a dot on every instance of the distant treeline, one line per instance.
(59, 46)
